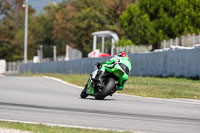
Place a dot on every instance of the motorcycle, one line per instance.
(107, 87)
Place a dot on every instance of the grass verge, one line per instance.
(144, 86)
(39, 128)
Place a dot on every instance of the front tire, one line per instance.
(109, 85)
(83, 93)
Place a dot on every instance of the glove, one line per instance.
(98, 65)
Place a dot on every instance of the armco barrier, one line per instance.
(176, 61)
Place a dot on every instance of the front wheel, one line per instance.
(109, 85)
(83, 93)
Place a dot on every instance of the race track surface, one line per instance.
(42, 100)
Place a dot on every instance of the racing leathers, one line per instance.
(111, 66)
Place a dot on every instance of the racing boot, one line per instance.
(114, 89)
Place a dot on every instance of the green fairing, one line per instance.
(90, 89)
(117, 70)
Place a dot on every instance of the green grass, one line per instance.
(163, 87)
(39, 128)
(145, 86)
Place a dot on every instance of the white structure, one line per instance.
(36, 59)
(72, 53)
(2, 67)
(103, 34)
(26, 32)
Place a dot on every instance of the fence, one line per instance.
(186, 41)
(175, 61)
(71, 54)
(134, 49)
(13, 66)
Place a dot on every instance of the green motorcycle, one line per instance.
(107, 87)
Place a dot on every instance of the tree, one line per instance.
(151, 21)
(2, 7)
(92, 18)
(116, 8)
(64, 26)
(124, 42)
(12, 30)
(69, 22)
(76, 20)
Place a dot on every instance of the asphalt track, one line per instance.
(42, 100)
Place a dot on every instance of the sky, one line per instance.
(39, 4)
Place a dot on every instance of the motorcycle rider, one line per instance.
(125, 63)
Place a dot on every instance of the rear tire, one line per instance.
(109, 85)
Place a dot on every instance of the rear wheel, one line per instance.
(109, 85)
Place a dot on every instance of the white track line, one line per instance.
(64, 82)
(60, 125)
(179, 100)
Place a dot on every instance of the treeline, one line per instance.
(71, 22)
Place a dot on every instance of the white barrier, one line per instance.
(2, 66)
(175, 61)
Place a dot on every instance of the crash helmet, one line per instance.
(122, 54)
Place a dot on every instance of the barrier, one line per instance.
(174, 61)
(2, 66)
